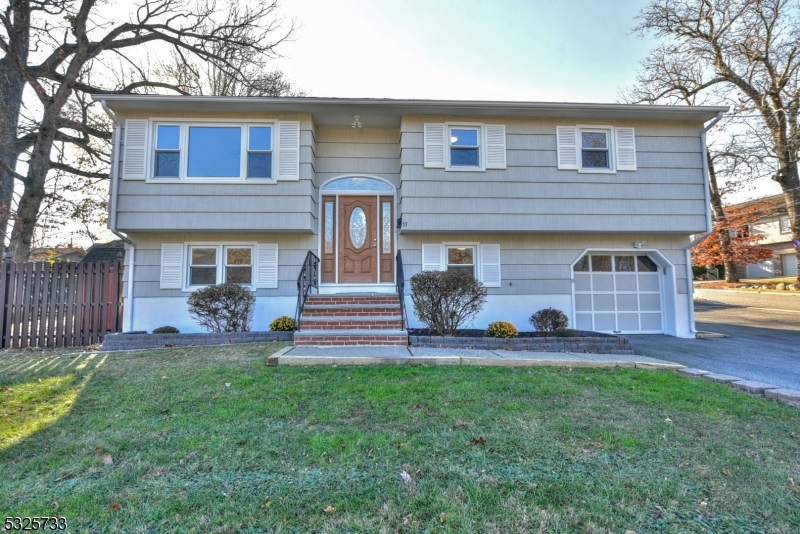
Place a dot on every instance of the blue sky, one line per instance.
(540, 50)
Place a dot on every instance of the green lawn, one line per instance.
(214, 440)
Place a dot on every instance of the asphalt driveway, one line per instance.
(763, 342)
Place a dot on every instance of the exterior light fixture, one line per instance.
(357, 123)
(639, 244)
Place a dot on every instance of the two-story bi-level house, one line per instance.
(587, 208)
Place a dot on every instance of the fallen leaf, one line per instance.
(703, 507)
(106, 459)
(727, 472)
(478, 441)
(312, 422)
(329, 509)
(114, 506)
(441, 518)
(794, 487)
(406, 477)
(240, 443)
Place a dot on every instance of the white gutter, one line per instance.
(709, 225)
(127, 317)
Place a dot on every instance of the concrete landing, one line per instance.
(444, 356)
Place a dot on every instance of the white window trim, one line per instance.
(184, 150)
(481, 147)
(220, 246)
(612, 162)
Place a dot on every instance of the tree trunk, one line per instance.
(719, 215)
(11, 88)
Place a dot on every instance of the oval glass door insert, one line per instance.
(358, 227)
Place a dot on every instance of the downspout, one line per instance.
(709, 225)
(127, 320)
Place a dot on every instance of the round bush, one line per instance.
(549, 320)
(502, 329)
(223, 308)
(283, 323)
(444, 300)
(166, 330)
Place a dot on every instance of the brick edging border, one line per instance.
(587, 342)
(143, 340)
(785, 395)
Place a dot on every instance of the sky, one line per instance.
(536, 50)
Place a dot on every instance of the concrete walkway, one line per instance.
(431, 356)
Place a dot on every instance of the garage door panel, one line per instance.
(626, 282)
(583, 282)
(651, 322)
(628, 322)
(583, 303)
(628, 302)
(650, 302)
(648, 282)
(605, 322)
(603, 282)
(603, 303)
(583, 321)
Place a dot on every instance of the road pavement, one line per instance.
(763, 342)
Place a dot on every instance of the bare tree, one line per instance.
(56, 47)
(746, 52)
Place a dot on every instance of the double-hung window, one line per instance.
(259, 152)
(461, 259)
(210, 264)
(168, 151)
(465, 146)
(596, 149)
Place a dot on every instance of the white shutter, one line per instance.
(134, 160)
(432, 257)
(434, 145)
(490, 265)
(267, 269)
(567, 140)
(171, 266)
(495, 146)
(288, 150)
(626, 149)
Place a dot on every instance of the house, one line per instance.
(774, 226)
(111, 251)
(587, 208)
(68, 253)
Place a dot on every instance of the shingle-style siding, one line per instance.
(664, 194)
(292, 250)
(540, 264)
(193, 206)
(371, 151)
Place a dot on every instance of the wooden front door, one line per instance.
(358, 240)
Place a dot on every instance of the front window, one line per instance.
(214, 264)
(464, 147)
(215, 151)
(595, 149)
(461, 259)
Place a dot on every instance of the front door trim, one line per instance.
(333, 287)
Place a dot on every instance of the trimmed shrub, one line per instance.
(549, 320)
(166, 330)
(502, 329)
(284, 323)
(223, 308)
(444, 300)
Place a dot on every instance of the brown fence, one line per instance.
(60, 304)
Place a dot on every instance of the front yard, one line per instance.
(213, 440)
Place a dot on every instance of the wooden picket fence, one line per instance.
(62, 304)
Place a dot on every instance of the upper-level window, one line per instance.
(213, 151)
(595, 149)
(464, 146)
(783, 225)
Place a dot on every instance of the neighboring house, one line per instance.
(587, 208)
(70, 253)
(774, 226)
(110, 251)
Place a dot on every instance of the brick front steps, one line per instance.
(354, 319)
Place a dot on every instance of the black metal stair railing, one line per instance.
(308, 278)
(401, 285)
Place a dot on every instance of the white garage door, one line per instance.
(789, 264)
(618, 294)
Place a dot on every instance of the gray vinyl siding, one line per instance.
(292, 250)
(289, 206)
(365, 151)
(664, 194)
(541, 264)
